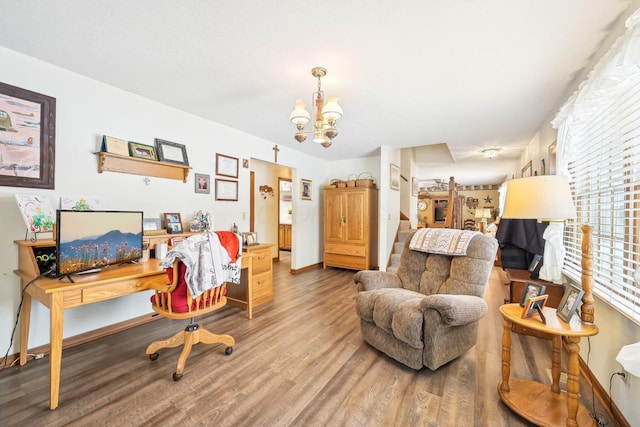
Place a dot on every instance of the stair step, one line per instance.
(402, 235)
(392, 269)
(405, 224)
(398, 247)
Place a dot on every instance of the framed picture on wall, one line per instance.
(28, 127)
(226, 165)
(202, 183)
(226, 190)
(172, 152)
(394, 177)
(305, 189)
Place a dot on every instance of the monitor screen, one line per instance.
(89, 240)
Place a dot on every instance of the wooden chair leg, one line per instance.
(190, 338)
(208, 337)
(174, 341)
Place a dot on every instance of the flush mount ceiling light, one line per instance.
(490, 153)
(326, 112)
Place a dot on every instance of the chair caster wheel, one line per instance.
(176, 377)
(228, 350)
(154, 356)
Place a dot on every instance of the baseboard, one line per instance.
(90, 335)
(305, 269)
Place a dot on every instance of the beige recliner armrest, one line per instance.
(455, 310)
(369, 280)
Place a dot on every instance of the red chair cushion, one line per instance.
(179, 295)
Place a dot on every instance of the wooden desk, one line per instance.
(537, 402)
(60, 294)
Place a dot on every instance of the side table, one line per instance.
(540, 403)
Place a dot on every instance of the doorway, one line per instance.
(285, 218)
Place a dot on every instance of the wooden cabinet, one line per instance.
(351, 228)
(258, 290)
(284, 236)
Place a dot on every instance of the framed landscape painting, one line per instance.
(27, 138)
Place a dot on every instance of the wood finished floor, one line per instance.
(300, 361)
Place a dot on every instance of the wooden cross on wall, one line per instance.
(275, 151)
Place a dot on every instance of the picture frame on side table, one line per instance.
(173, 223)
(226, 166)
(142, 151)
(535, 305)
(569, 303)
(172, 152)
(226, 190)
(27, 119)
(531, 290)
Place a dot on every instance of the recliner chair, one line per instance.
(427, 313)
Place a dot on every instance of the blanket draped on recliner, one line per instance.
(208, 260)
(442, 241)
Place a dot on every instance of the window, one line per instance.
(605, 175)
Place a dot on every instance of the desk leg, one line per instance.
(25, 321)
(556, 365)
(55, 356)
(573, 381)
(506, 355)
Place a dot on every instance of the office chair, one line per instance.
(174, 301)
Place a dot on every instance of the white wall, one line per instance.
(86, 110)
(389, 200)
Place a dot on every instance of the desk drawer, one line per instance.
(261, 261)
(262, 284)
(118, 289)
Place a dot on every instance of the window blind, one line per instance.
(606, 187)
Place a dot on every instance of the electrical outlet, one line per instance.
(626, 378)
(39, 356)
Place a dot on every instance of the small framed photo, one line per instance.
(535, 305)
(151, 224)
(394, 177)
(415, 184)
(172, 152)
(173, 223)
(226, 166)
(142, 151)
(250, 238)
(226, 190)
(305, 189)
(569, 303)
(531, 290)
(203, 183)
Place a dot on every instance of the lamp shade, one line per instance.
(300, 115)
(545, 198)
(332, 109)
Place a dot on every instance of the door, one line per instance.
(334, 216)
(355, 221)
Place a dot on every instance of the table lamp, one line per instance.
(483, 214)
(548, 198)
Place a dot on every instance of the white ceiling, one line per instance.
(471, 74)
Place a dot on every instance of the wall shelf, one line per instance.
(133, 165)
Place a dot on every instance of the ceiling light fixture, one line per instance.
(490, 153)
(326, 112)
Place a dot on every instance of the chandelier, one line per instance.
(326, 112)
